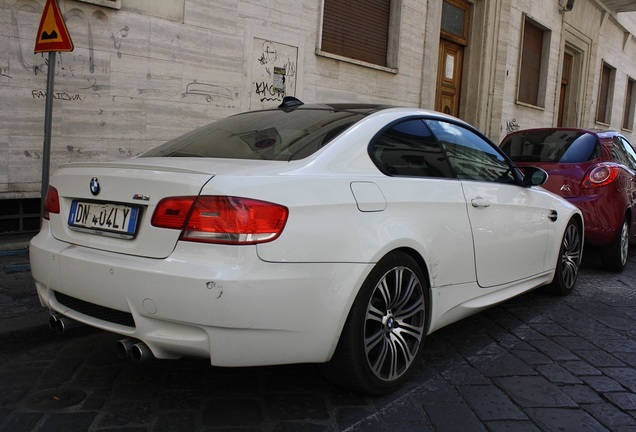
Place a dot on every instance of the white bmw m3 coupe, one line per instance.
(339, 234)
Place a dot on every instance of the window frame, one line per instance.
(629, 105)
(465, 8)
(428, 145)
(606, 85)
(481, 145)
(540, 76)
(393, 32)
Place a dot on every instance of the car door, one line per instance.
(510, 223)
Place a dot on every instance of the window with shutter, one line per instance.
(532, 66)
(628, 109)
(603, 109)
(357, 29)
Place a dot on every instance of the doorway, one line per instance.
(453, 41)
(566, 76)
(567, 114)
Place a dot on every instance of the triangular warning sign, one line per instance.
(52, 33)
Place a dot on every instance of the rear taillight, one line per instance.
(51, 202)
(600, 175)
(221, 219)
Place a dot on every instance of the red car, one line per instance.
(594, 170)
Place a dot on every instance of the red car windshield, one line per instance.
(551, 146)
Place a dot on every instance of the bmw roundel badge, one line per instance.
(95, 188)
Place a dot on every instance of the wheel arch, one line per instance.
(419, 260)
(424, 268)
(347, 354)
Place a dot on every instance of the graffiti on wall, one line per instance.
(512, 126)
(87, 68)
(273, 73)
(208, 91)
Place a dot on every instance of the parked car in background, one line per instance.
(594, 170)
(337, 234)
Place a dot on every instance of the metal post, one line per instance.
(48, 113)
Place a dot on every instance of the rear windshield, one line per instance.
(262, 135)
(556, 146)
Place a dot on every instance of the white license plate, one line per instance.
(104, 218)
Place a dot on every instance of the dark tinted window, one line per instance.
(629, 150)
(470, 155)
(409, 149)
(262, 135)
(622, 152)
(557, 146)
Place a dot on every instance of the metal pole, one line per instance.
(48, 113)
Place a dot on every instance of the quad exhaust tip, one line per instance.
(129, 348)
(134, 350)
(61, 324)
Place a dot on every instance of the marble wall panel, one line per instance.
(220, 15)
(25, 162)
(22, 112)
(147, 78)
(174, 42)
(118, 117)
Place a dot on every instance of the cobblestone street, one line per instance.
(535, 363)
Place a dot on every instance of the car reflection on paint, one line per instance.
(594, 170)
(337, 234)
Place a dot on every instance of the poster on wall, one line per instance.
(273, 73)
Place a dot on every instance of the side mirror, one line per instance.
(533, 176)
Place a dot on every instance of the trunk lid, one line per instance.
(125, 188)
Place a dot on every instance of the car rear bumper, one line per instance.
(218, 302)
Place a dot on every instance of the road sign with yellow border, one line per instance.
(52, 32)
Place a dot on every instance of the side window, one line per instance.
(409, 149)
(630, 153)
(618, 152)
(470, 156)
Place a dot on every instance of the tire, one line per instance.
(385, 329)
(569, 260)
(614, 256)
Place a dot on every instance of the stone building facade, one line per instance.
(144, 71)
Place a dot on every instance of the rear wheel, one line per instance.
(385, 328)
(614, 256)
(567, 266)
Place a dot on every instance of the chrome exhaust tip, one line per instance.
(140, 353)
(122, 347)
(62, 325)
(53, 319)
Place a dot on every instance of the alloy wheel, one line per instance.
(571, 255)
(394, 323)
(624, 245)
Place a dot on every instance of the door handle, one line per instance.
(480, 202)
